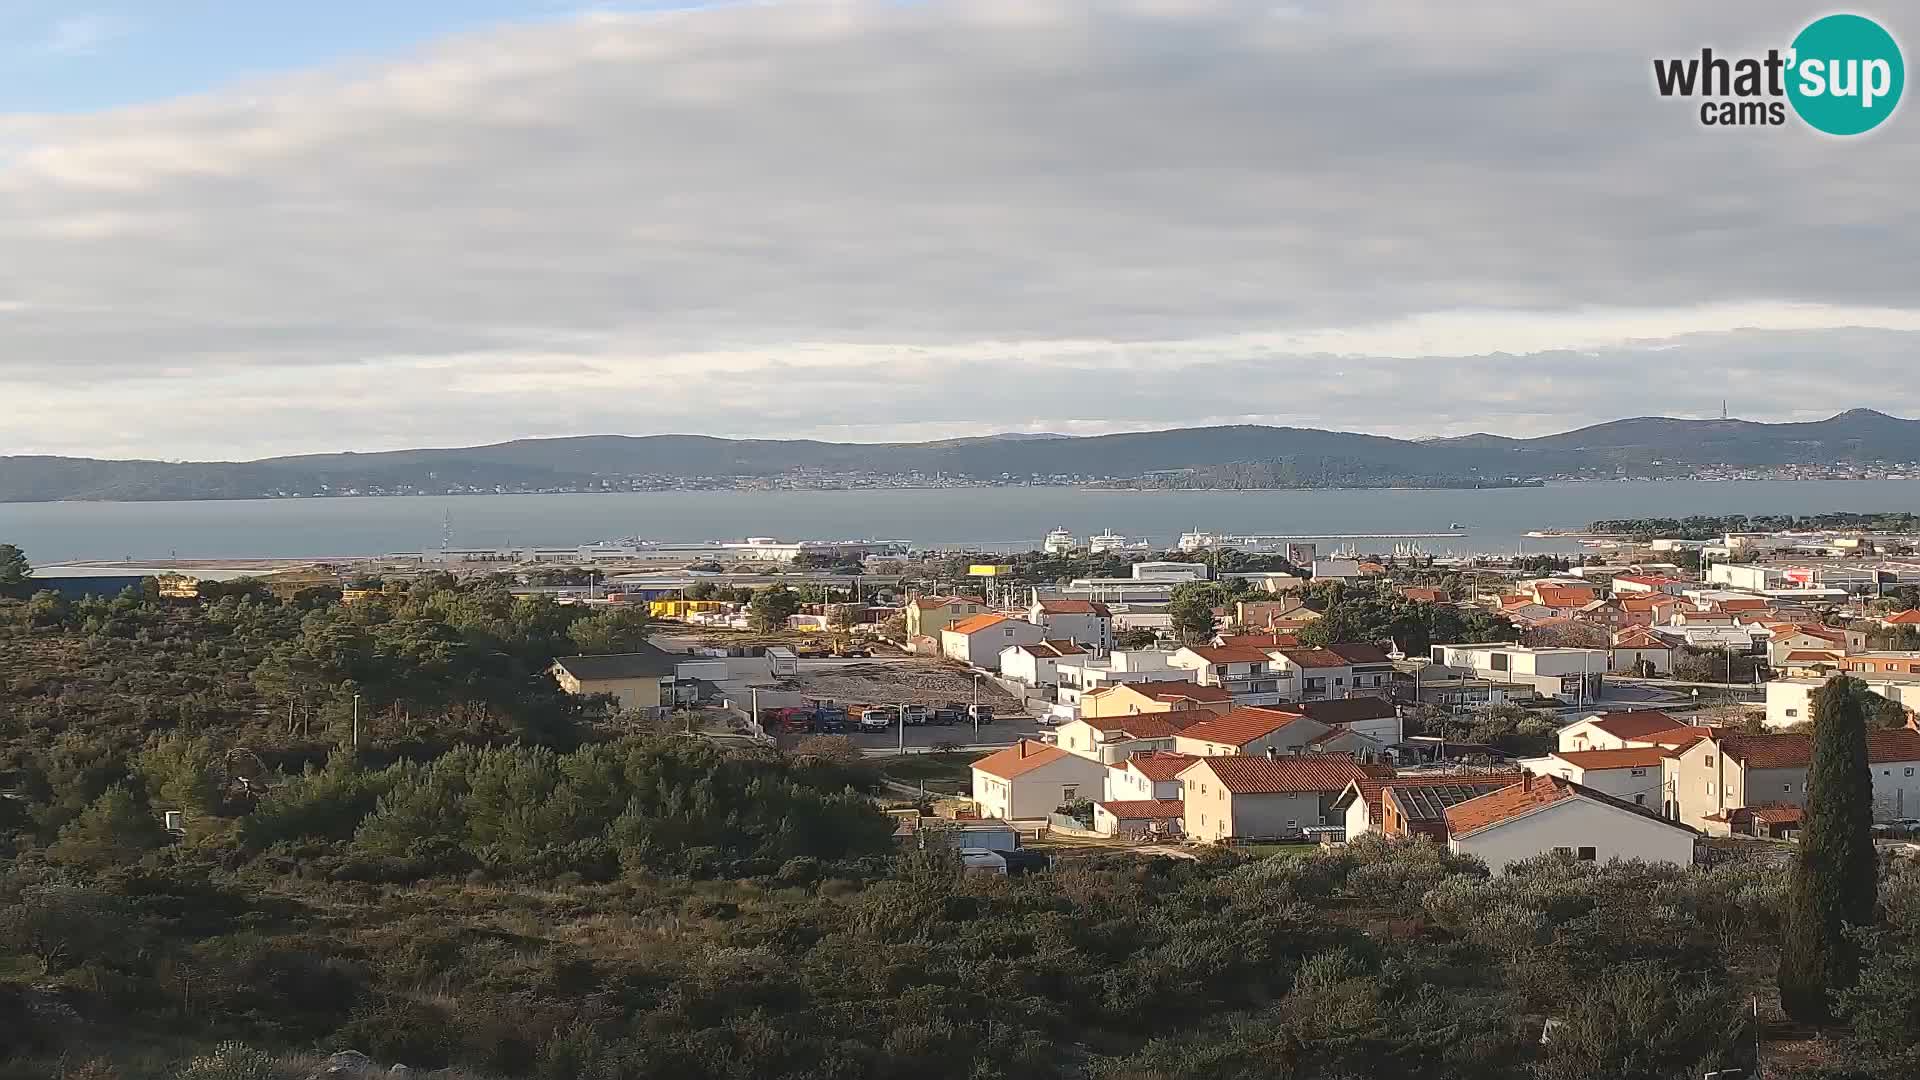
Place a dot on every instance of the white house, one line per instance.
(1631, 775)
(1038, 664)
(1377, 718)
(1030, 780)
(1114, 739)
(1569, 674)
(1790, 701)
(1618, 730)
(1154, 774)
(1542, 814)
(1254, 797)
(1246, 673)
(977, 641)
(1249, 731)
(1084, 622)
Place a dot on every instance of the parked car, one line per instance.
(914, 715)
(879, 718)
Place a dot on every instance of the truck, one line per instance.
(982, 714)
(879, 717)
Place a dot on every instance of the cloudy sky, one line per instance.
(231, 230)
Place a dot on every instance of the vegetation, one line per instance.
(771, 608)
(1381, 615)
(495, 884)
(1835, 875)
(1709, 527)
(16, 574)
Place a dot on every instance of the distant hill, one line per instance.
(1239, 456)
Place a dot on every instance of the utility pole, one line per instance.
(976, 708)
(356, 722)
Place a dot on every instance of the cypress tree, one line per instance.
(1836, 879)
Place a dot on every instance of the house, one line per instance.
(1790, 700)
(1909, 617)
(1084, 622)
(1348, 741)
(1639, 651)
(1792, 637)
(634, 679)
(1563, 597)
(1240, 797)
(1030, 780)
(1725, 771)
(1246, 673)
(1572, 675)
(1377, 718)
(1646, 585)
(1150, 774)
(1154, 696)
(1772, 822)
(928, 615)
(1813, 664)
(977, 641)
(1370, 670)
(1421, 595)
(1617, 730)
(1038, 664)
(1111, 740)
(1543, 814)
(1630, 774)
(1249, 731)
(1262, 614)
(1363, 803)
(1143, 817)
(1319, 674)
(1868, 665)
(1263, 640)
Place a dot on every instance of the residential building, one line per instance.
(1248, 674)
(1262, 614)
(1258, 797)
(1336, 569)
(928, 615)
(1369, 669)
(1363, 803)
(1646, 585)
(1746, 576)
(1909, 617)
(1083, 622)
(1377, 718)
(1790, 700)
(1639, 651)
(1630, 774)
(1320, 674)
(1038, 664)
(977, 641)
(633, 679)
(1030, 780)
(1885, 665)
(1619, 730)
(1111, 740)
(1249, 731)
(1572, 675)
(1145, 817)
(1150, 774)
(1136, 698)
(1724, 771)
(1260, 639)
(1543, 814)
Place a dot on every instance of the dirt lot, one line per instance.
(906, 681)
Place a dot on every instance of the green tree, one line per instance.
(114, 829)
(772, 607)
(179, 774)
(1191, 609)
(15, 572)
(617, 629)
(700, 590)
(1138, 638)
(1835, 878)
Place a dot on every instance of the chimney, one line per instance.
(1023, 748)
(1272, 752)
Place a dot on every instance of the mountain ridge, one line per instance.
(1304, 457)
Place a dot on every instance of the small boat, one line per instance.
(1455, 526)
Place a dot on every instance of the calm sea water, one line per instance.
(996, 517)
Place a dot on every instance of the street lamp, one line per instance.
(976, 707)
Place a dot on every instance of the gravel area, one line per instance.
(909, 682)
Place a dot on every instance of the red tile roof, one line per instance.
(1183, 691)
(1218, 655)
(1631, 758)
(1372, 787)
(1814, 656)
(1263, 641)
(1649, 580)
(1156, 725)
(1562, 596)
(1315, 658)
(1899, 744)
(1634, 725)
(1639, 637)
(1530, 794)
(1159, 765)
(1145, 809)
(1020, 758)
(1910, 617)
(982, 621)
(1826, 633)
(1292, 774)
(1355, 653)
(1423, 596)
(1241, 726)
(1338, 711)
(1052, 650)
(1074, 607)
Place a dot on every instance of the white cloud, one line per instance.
(84, 34)
(858, 218)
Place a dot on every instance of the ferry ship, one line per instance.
(1058, 542)
(1107, 541)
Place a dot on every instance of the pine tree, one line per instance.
(1836, 879)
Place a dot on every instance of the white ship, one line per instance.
(1199, 541)
(1106, 541)
(1058, 542)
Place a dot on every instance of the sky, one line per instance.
(235, 230)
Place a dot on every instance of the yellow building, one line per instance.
(634, 679)
(928, 615)
(178, 586)
(1133, 699)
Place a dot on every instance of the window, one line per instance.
(1709, 787)
(1786, 788)
(1340, 681)
(1909, 770)
(1588, 854)
(1067, 793)
(1640, 799)
(1793, 712)
(1637, 772)
(1563, 851)
(1709, 761)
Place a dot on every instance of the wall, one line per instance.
(631, 693)
(1576, 823)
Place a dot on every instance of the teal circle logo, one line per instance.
(1846, 75)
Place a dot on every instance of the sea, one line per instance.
(1495, 521)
